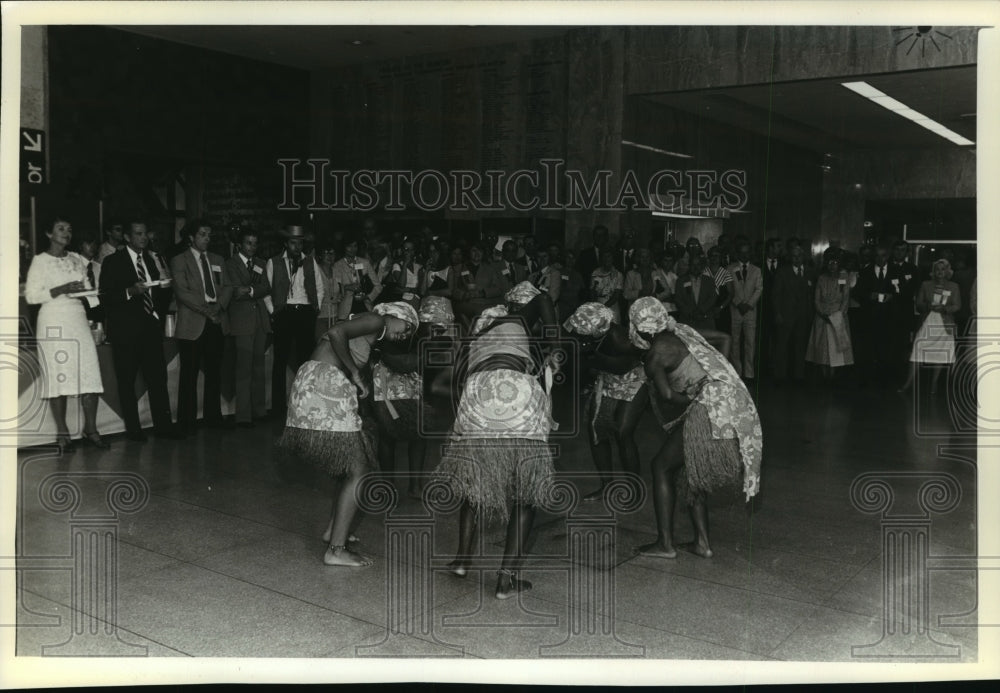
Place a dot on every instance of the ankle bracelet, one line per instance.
(337, 548)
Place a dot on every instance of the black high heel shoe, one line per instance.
(96, 440)
(64, 443)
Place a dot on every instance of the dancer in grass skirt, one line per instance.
(498, 458)
(713, 430)
(619, 395)
(324, 427)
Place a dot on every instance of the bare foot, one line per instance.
(327, 535)
(340, 556)
(508, 584)
(459, 567)
(595, 495)
(697, 549)
(656, 550)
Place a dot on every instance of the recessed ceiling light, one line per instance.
(899, 108)
(359, 42)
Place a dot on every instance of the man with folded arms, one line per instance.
(197, 283)
(245, 286)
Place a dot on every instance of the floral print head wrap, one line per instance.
(648, 315)
(399, 309)
(522, 293)
(436, 310)
(590, 320)
(487, 317)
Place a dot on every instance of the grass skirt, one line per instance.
(334, 452)
(710, 463)
(492, 474)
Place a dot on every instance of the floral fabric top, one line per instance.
(323, 399)
(388, 385)
(503, 403)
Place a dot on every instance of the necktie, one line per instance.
(147, 300)
(881, 273)
(743, 273)
(510, 271)
(295, 263)
(250, 267)
(90, 274)
(209, 285)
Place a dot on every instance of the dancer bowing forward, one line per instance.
(619, 394)
(324, 427)
(716, 436)
(498, 455)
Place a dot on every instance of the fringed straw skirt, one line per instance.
(498, 453)
(323, 427)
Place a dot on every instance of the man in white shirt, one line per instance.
(197, 276)
(296, 295)
(113, 240)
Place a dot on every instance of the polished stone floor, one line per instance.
(222, 558)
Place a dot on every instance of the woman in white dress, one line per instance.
(938, 300)
(65, 344)
(830, 340)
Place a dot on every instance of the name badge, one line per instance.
(895, 282)
(471, 285)
(359, 266)
(881, 298)
(841, 281)
(565, 277)
(216, 268)
(408, 296)
(946, 294)
(908, 277)
(258, 269)
(505, 273)
(466, 273)
(687, 285)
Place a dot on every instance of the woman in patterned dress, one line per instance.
(619, 395)
(498, 459)
(324, 427)
(715, 437)
(607, 283)
(69, 359)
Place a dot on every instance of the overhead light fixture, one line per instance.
(885, 101)
(657, 150)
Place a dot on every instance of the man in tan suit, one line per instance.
(197, 276)
(747, 289)
(246, 319)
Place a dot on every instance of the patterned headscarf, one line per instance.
(648, 315)
(487, 317)
(522, 293)
(590, 320)
(401, 310)
(436, 310)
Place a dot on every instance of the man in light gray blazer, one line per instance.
(246, 319)
(197, 276)
(747, 290)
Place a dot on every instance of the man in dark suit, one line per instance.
(512, 271)
(695, 296)
(244, 287)
(768, 269)
(197, 285)
(908, 282)
(792, 303)
(877, 296)
(588, 259)
(135, 304)
(625, 254)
